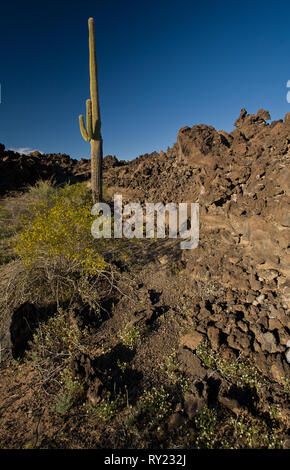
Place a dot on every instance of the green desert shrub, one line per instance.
(56, 343)
(132, 335)
(206, 424)
(152, 408)
(6, 232)
(249, 432)
(42, 191)
(242, 371)
(70, 393)
(56, 339)
(14, 208)
(107, 409)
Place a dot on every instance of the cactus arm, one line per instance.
(89, 119)
(94, 80)
(83, 128)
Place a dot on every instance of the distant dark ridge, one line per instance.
(17, 171)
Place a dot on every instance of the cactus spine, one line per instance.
(92, 133)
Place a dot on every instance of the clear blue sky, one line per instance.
(163, 64)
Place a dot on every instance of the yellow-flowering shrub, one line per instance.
(62, 229)
(57, 259)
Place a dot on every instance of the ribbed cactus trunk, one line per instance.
(96, 170)
(92, 133)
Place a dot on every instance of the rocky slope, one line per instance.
(242, 182)
(232, 292)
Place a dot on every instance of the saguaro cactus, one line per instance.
(92, 133)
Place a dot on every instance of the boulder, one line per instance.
(191, 340)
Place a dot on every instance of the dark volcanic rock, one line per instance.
(110, 161)
(251, 124)
(242, 183)
(18, 171)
